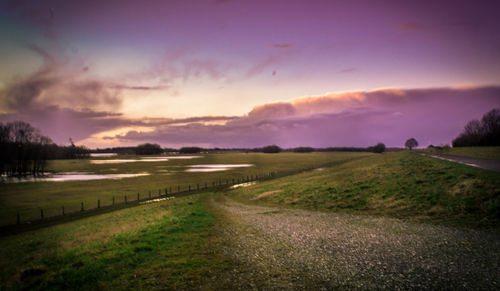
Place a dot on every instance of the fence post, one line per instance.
(137, 196)
(18, 218)
(81, 207)
(189, 188)
(113, 203)
(125, 198)
(197, 186)
(98, 203)
(41, 213)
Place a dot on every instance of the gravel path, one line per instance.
(298, 249)
(493, 165)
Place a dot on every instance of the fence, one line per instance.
(26, 221)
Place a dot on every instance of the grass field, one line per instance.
(174, 244)
(28, 198)
(402, 185)
(476, 152)
(165, 244)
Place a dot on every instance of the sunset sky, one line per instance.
(237, 73)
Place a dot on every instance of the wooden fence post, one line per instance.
(166, 192)
(62, 210)
(189, 188)
(137, 196)
(41, 213)
(81, 207)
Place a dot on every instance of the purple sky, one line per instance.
(249, 73)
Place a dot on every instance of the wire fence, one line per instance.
(33, 217)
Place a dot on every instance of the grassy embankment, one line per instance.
(28, 197)
(402, 185)
(164, 245)
(475, 152)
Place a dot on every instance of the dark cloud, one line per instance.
(50, 85)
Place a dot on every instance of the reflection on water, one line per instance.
(148, 159)
(247, 184)
(70, 176)
(97, 155)
(215, 167)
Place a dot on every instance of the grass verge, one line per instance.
(475, 152)
(162, 245)
(402, 185)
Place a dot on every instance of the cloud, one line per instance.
(52, 85)
(281, 45)
(344, 119)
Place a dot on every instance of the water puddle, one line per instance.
(99, 155)
(148, 159)
(215, 167)
(247, 184)
(70, 176)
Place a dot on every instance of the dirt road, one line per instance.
(298, 249)
(493, 165)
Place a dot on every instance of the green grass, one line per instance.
(402, 185)
(476, 152)
(28, 198)
(163, 245)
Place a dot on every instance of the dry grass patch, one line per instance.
(266, 194)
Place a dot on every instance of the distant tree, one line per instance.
(148, 149)
(378, 148)
(411, 143)
(190, 150)
(272, 149)
(303, 150)
(481, 133)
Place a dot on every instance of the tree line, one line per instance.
(484, 132)
(25, 151)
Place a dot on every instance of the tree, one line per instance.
(190, 150)
(481, 133)
(272, 149)
(411, 143)
(303, 150)
(148, 149)
(378, 148)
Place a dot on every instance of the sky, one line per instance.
(238, 73)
